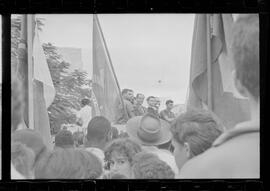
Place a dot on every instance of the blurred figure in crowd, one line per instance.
(147, 165)
(167, 113)
(139, 109)
(85, 114)
(68, 163)
(152, 109)
(64, 139)
(151, 133)
(127, 111)
(119, 156)
(99, 134)
(193, 133)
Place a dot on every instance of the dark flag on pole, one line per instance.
(105, 85)
(211, 81)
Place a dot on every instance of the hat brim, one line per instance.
(132, 129)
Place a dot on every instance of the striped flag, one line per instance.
(211, 80)
(105, 85)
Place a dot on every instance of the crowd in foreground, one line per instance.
(190, 146)
(144, 152)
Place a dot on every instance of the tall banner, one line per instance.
(211, 81)
(43, 90)
(22, 67)
(105, 85)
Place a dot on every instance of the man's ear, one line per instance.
(238, 85)
(187, 150)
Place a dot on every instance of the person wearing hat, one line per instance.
(64, 139)
(151, 132)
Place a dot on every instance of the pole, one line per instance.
(30, 31)
(209, 64)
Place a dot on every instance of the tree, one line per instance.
(69, 86)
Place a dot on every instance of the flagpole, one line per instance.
(110, 62)
(209, 63)
(30, 20)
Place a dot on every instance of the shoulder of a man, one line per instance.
(236, 157)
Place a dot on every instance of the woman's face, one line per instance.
(181, 154)
(119, 164)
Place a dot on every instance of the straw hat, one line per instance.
(149, 130)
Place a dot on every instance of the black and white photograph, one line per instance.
(134, 96)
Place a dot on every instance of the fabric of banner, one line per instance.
(105, 85)
(43, 91)
(227, 104)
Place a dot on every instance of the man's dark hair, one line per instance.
(169, 101)
(150, 98)
(197, 128)
(98, 128)
(139, 94)
(125, 91)
(64, 139)
(85, 102)
(245, 52)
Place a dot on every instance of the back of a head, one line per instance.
(23, 159)
(68, 164)
(148, 166)
(64, 139)
(197, 128)
(98, 129)
(124, 146)
(32, 139)
(85, 102)
(78, 137)
(245, 52)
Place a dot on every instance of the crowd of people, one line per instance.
(155, 145)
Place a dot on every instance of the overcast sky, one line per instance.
(150, 52)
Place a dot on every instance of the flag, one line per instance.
(105, 85)
(211, 39)
(21, 67)
(43, 90)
